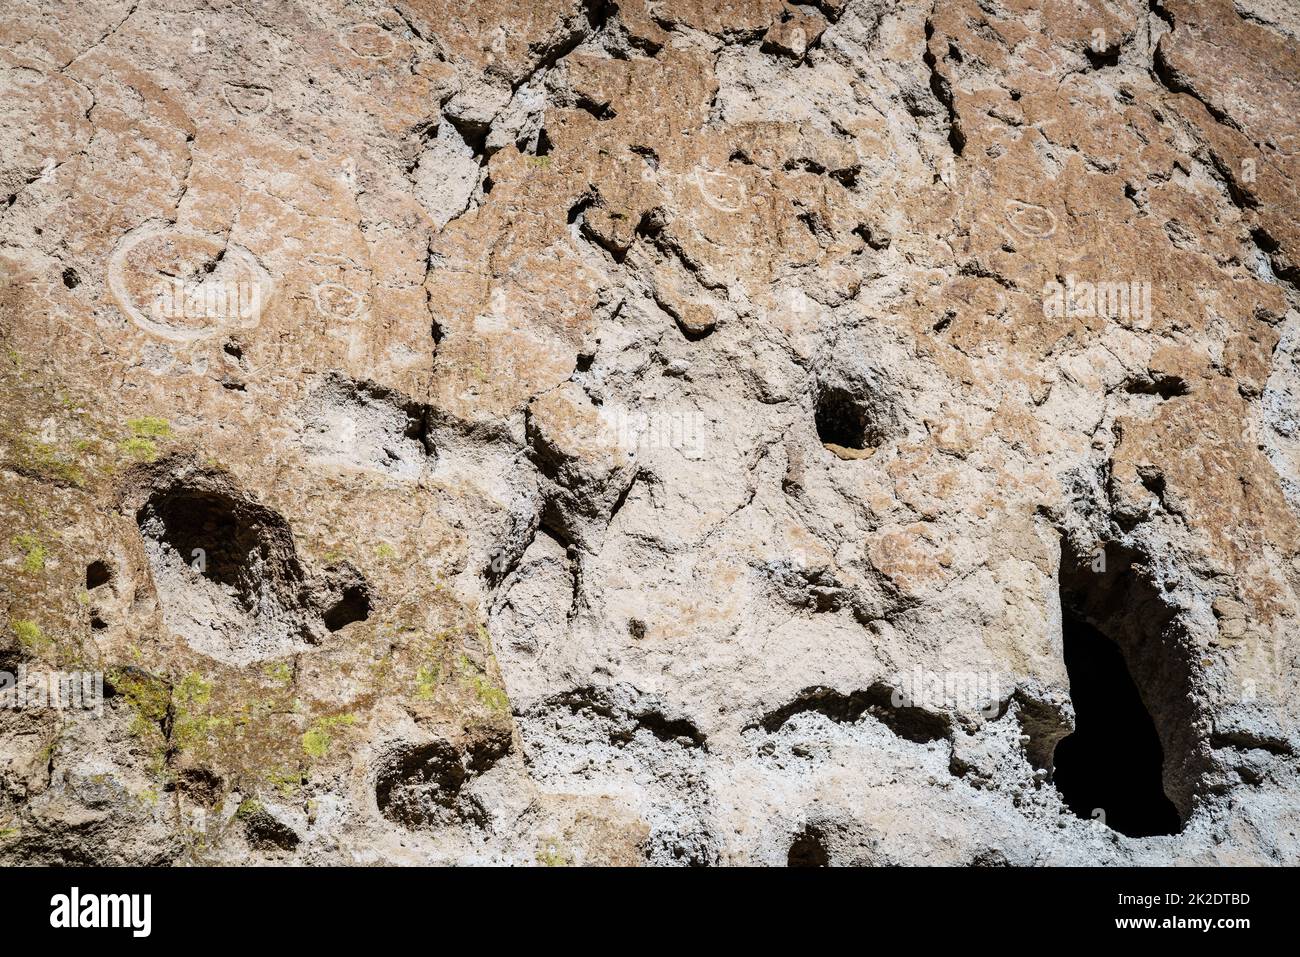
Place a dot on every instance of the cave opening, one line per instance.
(845, 420)
(213, 534)
(353, 605)
(97, 573)
(1110, 767)
(808, 849)
(1130, 759)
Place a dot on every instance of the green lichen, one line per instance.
(385, 552)
(550, 853)
(317, 739)
(147, 696)
(193, 691)
(30, 635)
(316, 742)
(488, 694)
(284, 780)
(149, 427)
(281, 672)
(426, 680)
(34, 552)
(192, 725)
(140, 449)
(41, 460)
(491, 697)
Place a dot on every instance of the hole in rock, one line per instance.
(1164, 386)
(601, 111)
(420, 785)
(624, 718)
(265, 833)
(227, 572)
(1106, 56)
(70, 278)
(97, 573)
(578, 208)
(200, 785)
(846, 420)
(1113, 760)
(218, 537)
(1134, 754)
(353, 606)
(808, 850)
(474, 133)
(650, 156)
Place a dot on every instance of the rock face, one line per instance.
(654, 431)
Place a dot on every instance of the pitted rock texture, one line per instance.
(652, 431)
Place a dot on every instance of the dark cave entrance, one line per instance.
(353, 605)
(1113, 760)
(808, 850)
(843, 420)
(1129, 684)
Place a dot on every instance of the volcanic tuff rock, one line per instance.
(666, 431)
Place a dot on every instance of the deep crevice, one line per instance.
(1136, 752)
(626, 722)
(1165, 386)
(904, 719)
(942, 90)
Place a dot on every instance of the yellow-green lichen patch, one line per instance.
(142, 450)
(44, 461)
(30, 636)
(47, 435)
(33, 552)
(241, 726)
(279, 672)
(489, 695)
(146, 432)
(316, 741)
(149, 427)
(426, 681)
(147, 696)
(550, 853)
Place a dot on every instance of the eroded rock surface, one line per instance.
(650, 432)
